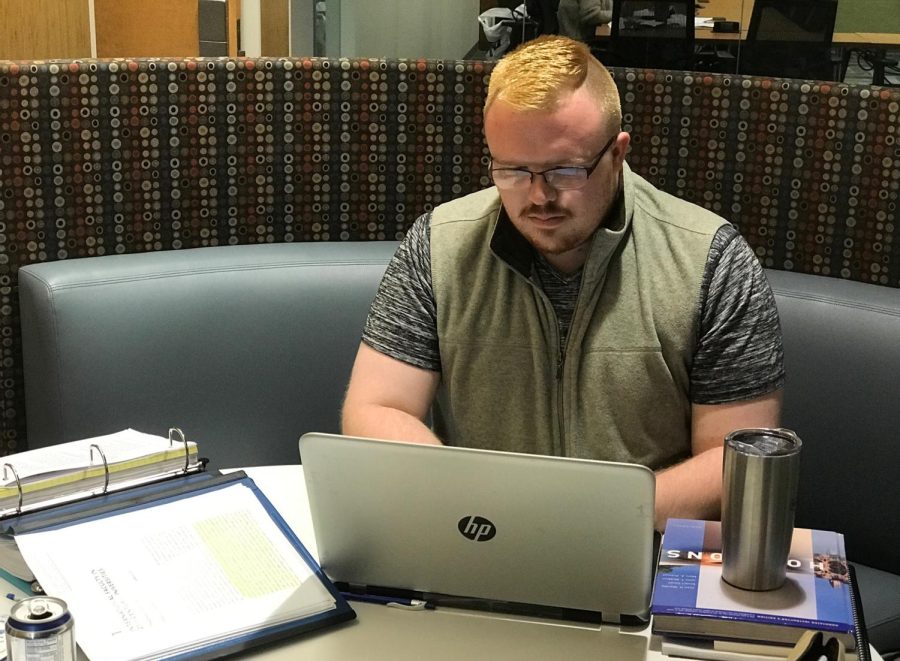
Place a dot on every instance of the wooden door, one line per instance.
(44, 29)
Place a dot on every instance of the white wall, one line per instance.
(438, 29)
(251, 26)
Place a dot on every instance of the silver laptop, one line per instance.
(518, 529)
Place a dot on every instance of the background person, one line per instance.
(579, 19)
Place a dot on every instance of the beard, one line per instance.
(565, 234)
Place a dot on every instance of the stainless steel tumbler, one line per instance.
(760, 472)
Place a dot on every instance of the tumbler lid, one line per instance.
(764, 442)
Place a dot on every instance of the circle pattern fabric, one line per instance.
(121, 156)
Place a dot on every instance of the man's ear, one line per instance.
(621, 148)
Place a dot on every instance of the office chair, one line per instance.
(790, 39)
(652, 33)
(543, 12)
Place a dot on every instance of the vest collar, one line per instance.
(510, 246)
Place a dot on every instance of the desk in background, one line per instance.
(859, 24)
(381, 632)
(869, 26)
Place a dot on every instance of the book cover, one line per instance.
(690, 597)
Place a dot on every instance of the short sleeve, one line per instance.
(402, 321)
(739, 353)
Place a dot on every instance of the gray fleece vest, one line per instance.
(620, 389)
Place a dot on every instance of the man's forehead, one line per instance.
(542, 139)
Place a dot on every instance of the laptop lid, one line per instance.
(517, 528)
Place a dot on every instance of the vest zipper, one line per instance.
(560, 358)
(560, 362)
(560, 386)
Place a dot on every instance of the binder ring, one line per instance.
(18, 485)
(187, 452)
(105, 465)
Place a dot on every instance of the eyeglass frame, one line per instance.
(588, 170)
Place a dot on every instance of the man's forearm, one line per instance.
(691, 489)
(374, 421)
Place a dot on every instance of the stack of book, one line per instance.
(701, 616)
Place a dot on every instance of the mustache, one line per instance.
(550, 209)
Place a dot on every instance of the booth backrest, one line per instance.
(243, 348)
(126, 156)
(247, 347)
(842, 358)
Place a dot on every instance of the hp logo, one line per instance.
(476, 528)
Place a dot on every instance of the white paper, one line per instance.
(118, 447)
(700, 22)
(285, 487)
(170, 576)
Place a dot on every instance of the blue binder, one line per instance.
(179, 488)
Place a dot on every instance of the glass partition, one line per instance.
(789, 38)
(437, 29)
(853, 40)
(815, 39)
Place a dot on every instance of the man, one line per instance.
(588, 315)
(579, 18)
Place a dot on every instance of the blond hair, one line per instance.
(539, 73)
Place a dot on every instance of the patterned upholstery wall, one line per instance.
(809, 172)
(103, 157)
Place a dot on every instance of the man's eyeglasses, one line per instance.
(560, 178)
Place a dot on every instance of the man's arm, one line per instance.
(595, 12)
(693, 488)
(397, 369)
(389, 399)
(736, 376)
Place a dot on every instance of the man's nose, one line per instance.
(539, 191)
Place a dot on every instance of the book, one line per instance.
(50, 477)
(736, 650)
(691, 599)
(709, 650)
(205, 571)
(859, 619)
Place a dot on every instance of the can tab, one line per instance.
(38, 610)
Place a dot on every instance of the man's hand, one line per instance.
(388, 399)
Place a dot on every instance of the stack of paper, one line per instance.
(51, 476)
(48, 475)
(209, 571)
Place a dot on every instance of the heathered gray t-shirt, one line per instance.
(738, 354)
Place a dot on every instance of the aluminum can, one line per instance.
(760, 474)
(40, 629)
